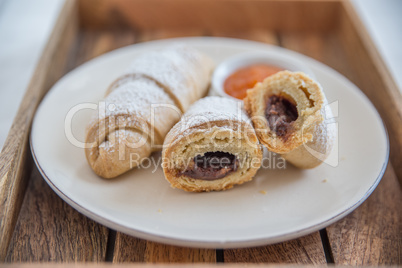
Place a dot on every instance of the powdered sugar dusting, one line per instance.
(207, 111)
(123, 80)
(134, 98)
(138, 104)
(215, 109)
(183, 71)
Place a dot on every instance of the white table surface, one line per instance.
(25, 26)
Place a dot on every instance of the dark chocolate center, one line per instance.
(280, 113)
(211, 166)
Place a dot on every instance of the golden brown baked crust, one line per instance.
(212, 124)
(130, 125)
(128, 129)
(308, 133)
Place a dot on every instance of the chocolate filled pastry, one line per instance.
(141, 107)
(212, 148)
(288, 112)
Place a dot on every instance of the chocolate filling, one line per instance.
(211, 166)
(280, 113)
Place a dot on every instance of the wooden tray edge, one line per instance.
(15, 149)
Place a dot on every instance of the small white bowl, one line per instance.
(230, 65)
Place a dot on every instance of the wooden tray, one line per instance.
(36, 225)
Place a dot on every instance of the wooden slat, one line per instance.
(157, 252)
(145, 265)
(324, 47)
(351, 31)
(346, 51)
(48, 229)
(131, 249)
(347, 55)
(374, 79)
(93, 43)
(13, 157)
(210, 14)
(372, 234)
(158, 34)
(255, 34)
(304, 250)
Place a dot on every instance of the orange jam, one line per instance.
(237, 83)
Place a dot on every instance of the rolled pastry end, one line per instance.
(129, 125)
(211, 159)
(287, 111)
(284, 109)
(120, 151)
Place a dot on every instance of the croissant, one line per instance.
(288, 111)
(142, 105)
(212, 148)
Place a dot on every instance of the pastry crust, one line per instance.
(128, 129)
(142, 105)
(181, 71)
(309, 139)
(213, 124)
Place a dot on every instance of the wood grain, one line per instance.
(308, 250)
(145, 265)
(49, 229)
(372, 234)
(210, 14)
(304, 250)
(255, 34)
(379, 85)
(351, 58)
(15, 150)
(131, 249)
(157, 34)
(93, 43)
(159, 253)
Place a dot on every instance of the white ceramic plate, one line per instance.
(277, 205)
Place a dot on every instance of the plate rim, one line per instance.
(240, 243)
